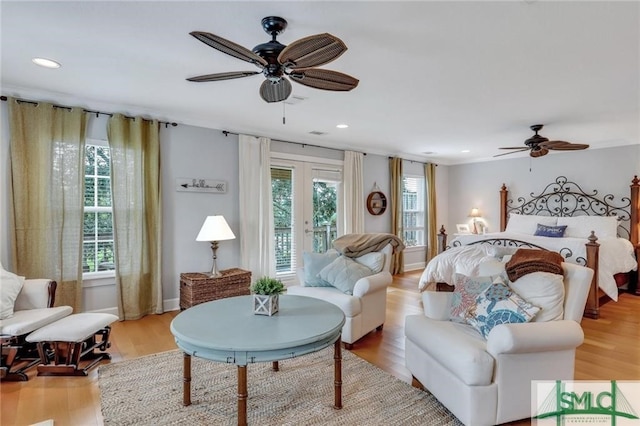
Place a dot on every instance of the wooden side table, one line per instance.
(197, 287)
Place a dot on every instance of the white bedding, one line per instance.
(615, 256)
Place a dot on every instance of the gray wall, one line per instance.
(607, 170)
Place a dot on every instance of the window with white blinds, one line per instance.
(413, 210)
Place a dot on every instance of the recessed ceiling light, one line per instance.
(342, 126)
(465, 151)
(47, 63)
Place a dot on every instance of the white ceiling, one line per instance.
(437, 77)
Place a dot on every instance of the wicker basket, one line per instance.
(196, 287)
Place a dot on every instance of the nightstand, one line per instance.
(198, 287)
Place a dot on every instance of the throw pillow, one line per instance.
(581, 226)
(466, 290)
(343, 273)
(545, 290)
(499, 304)
(10, 286)
(550, 231)
(313, 264)
(373, 261)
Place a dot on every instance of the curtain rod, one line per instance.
(227, 133)
(97, 113)
(413, 161)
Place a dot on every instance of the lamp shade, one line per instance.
(474, 213)
(215, 228)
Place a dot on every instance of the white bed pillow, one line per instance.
(527, 224)
(581, 226)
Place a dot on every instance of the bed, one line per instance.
(601, 232)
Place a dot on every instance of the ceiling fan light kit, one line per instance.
(539, 146)
(299, 60)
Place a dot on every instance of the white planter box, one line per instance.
(264, 304)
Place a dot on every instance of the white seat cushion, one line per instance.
(457, 347)
(350, 305)
(74, 328)
(23, 322)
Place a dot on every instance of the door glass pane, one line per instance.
(282, 191)
(325, 214)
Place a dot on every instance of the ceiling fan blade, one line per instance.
(229, 47)
(223, 76)
(564, 146)
(539, 152)
(512, 152)
(312, 51)
(275, 91)
(324, 79)
(513, 147)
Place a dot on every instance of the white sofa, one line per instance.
(488, 382)
(33, 309)
(365, 310)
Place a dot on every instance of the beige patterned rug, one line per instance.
(148, 391)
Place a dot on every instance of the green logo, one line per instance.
(561, 403)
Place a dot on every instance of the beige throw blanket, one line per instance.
(355, 245)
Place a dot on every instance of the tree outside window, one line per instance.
(97, 245)
(413, 214)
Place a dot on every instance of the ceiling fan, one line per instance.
(539, 145)
(298, 60)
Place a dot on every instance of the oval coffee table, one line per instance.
(228, 331)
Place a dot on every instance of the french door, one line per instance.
(307, 207)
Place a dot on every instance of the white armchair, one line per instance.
(365, 309)
(33, 309)
(488, 382)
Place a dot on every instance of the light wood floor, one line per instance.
(611, 351)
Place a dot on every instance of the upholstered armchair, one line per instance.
(32, 309)
(488, 381)
(364, 308)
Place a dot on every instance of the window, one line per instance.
(413, 204)
(97, 245)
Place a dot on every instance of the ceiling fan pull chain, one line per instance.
(283, 118)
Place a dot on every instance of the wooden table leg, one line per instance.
(242, 395)
(186, 374)
(337, 357)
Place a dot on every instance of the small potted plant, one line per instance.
(265, 295)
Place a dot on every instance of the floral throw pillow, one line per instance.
(466, 291)
(499, 304)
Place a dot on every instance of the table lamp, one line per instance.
(475, 214)
(215, 229)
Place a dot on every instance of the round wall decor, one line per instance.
(376, 203)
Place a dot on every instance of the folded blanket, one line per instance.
(526, 261)
(356, 245)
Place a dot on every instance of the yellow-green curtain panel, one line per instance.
(432, 228)
(395, 164)
(47, 172)
(134, 144)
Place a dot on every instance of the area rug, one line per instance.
(148, 391)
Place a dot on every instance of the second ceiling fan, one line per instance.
(539, 145)
(298, 61)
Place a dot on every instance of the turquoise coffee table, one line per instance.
(228, 331)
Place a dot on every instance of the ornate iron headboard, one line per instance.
(565, 198)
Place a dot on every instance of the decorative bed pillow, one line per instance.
(343, 273)
(581, 226)
(10, 287)
(527, 224)
(466, 290)
(313, 264)
(545, 290)
(550, 231)
(373, 261)
(499, 304)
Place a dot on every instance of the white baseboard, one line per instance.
(414, 266)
